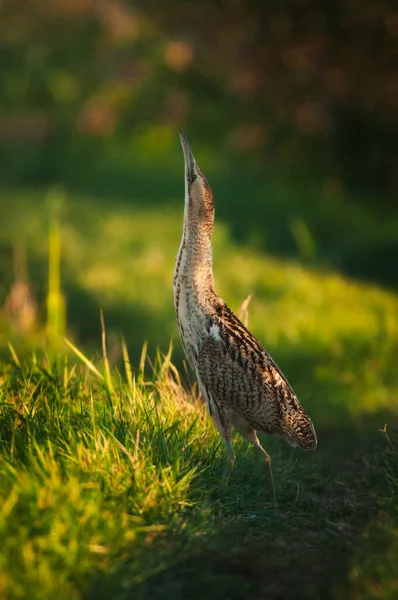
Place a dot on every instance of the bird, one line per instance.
(242, 386)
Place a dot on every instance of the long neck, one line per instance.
(193, 270)
(199, 268)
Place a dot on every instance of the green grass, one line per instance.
(109, 472)
(116, 494)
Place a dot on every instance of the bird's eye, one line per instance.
(193, 178)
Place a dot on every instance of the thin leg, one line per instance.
(224, 430)
(251, 436)
(230, 461)
(268, 468)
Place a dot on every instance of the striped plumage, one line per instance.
(242, 386)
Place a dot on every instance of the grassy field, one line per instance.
(110, 468)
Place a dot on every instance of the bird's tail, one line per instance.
(300, 430)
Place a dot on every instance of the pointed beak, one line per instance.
(189, 159)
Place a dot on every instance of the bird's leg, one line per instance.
(268, 466)
(224, 429)
(251, 436)
(230, 461)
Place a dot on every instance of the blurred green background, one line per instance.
(292, 112)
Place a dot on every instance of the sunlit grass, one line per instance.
(88, 477)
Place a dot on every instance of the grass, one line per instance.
(110, 468)
(110, 489)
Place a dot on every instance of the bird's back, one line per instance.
(239, 377)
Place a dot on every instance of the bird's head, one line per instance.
(199, 203)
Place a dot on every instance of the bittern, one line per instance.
(240, 383)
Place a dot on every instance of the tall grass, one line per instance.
(93, 470)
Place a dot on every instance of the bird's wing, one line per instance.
(245, 350)
(235, 372)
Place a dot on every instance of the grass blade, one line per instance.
(84, 359)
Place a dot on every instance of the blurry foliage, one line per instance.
(306, 86)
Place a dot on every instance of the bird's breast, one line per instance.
(191, 320)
